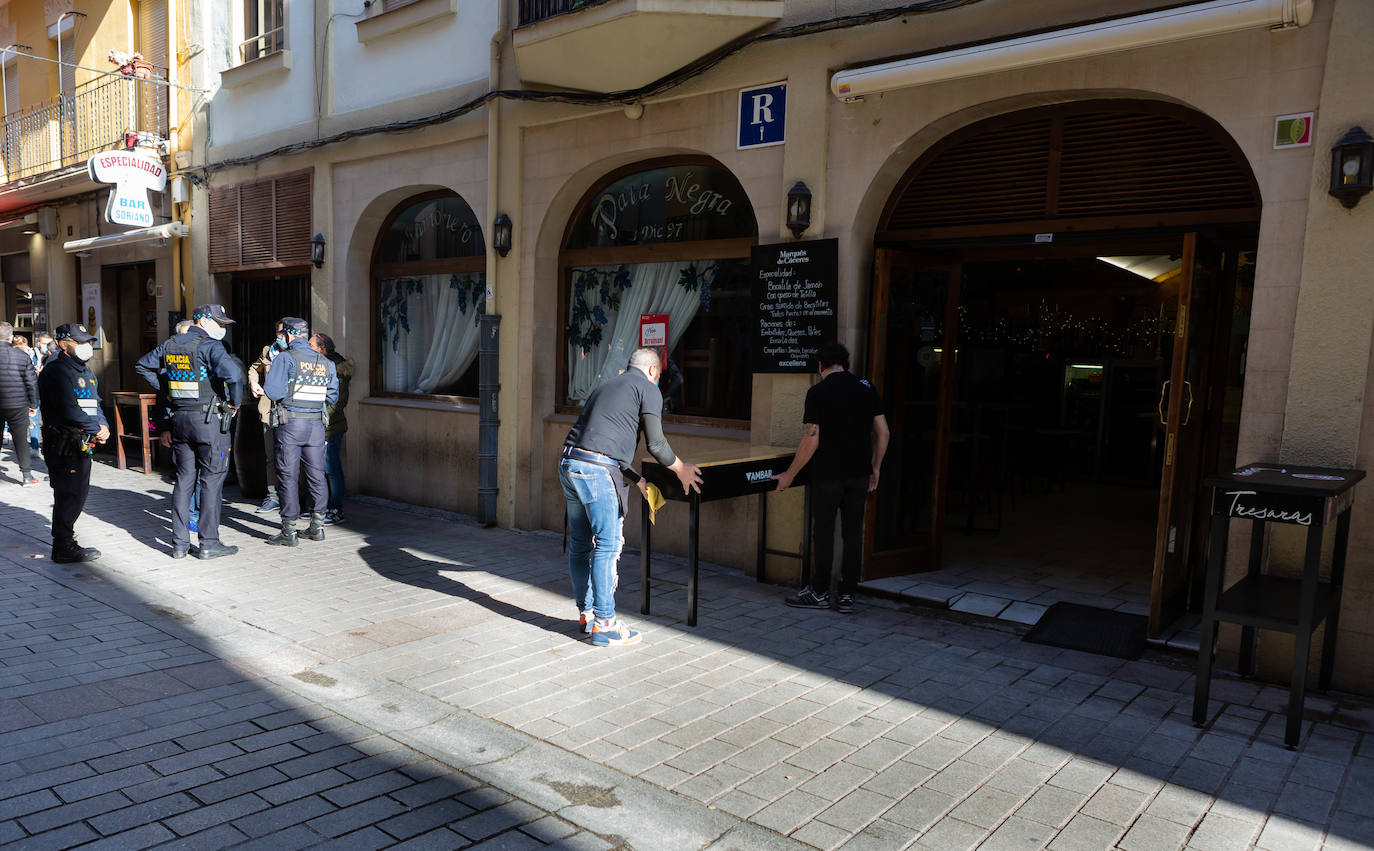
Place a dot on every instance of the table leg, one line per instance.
(1302, 641)
(147, 441)
(694, 526)
(1333, 620)
(1252, 570)
(119, 438)
(763, 537)
(1216, 573)
(806, 536)
(644, 526)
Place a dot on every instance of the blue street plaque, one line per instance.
(762, 116)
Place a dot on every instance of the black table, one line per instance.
(1314, 497)
(724, 475)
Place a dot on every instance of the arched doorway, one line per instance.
(1059, 326)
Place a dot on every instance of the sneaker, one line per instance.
(193, 525)
(613, 634)
(845, 605)
(808, 599)
(585, 621)
(268, 504)
(29, 481)
(332, 516)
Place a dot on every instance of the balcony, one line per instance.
(95, 116)
(614, 45)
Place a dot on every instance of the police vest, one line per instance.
(310, 384)
(187, 380)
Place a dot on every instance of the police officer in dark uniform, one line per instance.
(72, 424)
(186, 369)
(300, 382)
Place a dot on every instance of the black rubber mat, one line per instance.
(1092, 630)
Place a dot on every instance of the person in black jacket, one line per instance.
(186, 369)
(18, 399)
(72, 424)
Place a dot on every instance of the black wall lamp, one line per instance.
(501, 234)
(798, 208)
(1352, 167)
(317, 250)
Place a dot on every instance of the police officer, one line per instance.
(300, 382)
(183, 369)
(72, 424)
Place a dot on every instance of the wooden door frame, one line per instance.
(885, 259)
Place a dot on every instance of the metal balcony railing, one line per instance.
(538, 10)
(93, 117)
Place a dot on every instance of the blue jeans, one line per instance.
(595, 534)
(333, 470)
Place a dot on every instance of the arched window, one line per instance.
(430, 286)
(666, 239)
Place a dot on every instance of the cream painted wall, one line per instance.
(237, 113)
(438, 54)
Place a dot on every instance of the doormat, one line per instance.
(1092, 630)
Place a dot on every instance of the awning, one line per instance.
(1176, 24)
(128, 237)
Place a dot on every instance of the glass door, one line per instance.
(914, 333)
(1184, 414)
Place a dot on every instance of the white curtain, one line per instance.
(440, 341)
(653, 288)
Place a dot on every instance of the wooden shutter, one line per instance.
(1092, 165)
(261, 224)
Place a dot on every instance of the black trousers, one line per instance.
(197, 446)
(18, 421)
(70, 478)
(300, 441)
(269, 451)
(846, 496)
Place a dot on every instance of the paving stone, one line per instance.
(70, 813)
(920, 809)
(951, 834)
(1151, 833)
(1085, 833)
(1052, 806)
(986, 807)
(1219, 833)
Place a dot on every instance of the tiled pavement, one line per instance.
(414, 678)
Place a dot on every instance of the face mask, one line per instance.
(83, 352)
(216, 331)
(280, 344)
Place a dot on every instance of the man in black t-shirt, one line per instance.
(844, 438)
(597, 455)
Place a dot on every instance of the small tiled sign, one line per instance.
(762, 116)
(1293, 131)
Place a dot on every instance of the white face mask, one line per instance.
(216, 331)
(83, 352)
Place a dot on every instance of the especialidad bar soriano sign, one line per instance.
(134, 176)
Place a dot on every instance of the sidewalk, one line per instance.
(416, 678)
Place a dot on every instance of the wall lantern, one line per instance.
(501, 234)
(1352, 167)
(317, 250)
(798, 208)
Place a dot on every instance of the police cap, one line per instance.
(74, 331)
(295, 325)
(214, 311)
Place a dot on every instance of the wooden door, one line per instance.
(913, 333)
(1183, 411)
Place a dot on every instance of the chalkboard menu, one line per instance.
(796, 290)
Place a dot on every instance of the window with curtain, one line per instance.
(664, 239)
(430, 288)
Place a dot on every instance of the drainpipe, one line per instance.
(488, 347)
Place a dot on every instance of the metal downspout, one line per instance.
(488, 351)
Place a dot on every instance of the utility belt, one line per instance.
(65, 441)
(577, 453)
(280, 415)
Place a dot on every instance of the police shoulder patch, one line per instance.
(80, 382)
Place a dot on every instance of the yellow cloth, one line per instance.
(655, 500)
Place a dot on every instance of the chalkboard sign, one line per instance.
(796, 291)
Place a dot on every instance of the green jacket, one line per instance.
(338, 416)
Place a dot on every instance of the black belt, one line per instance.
(288, 414)
(576, 453)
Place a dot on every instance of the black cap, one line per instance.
(214, 311)
(295, 325)
(73, 331)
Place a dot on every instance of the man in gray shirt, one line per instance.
(597, 456)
